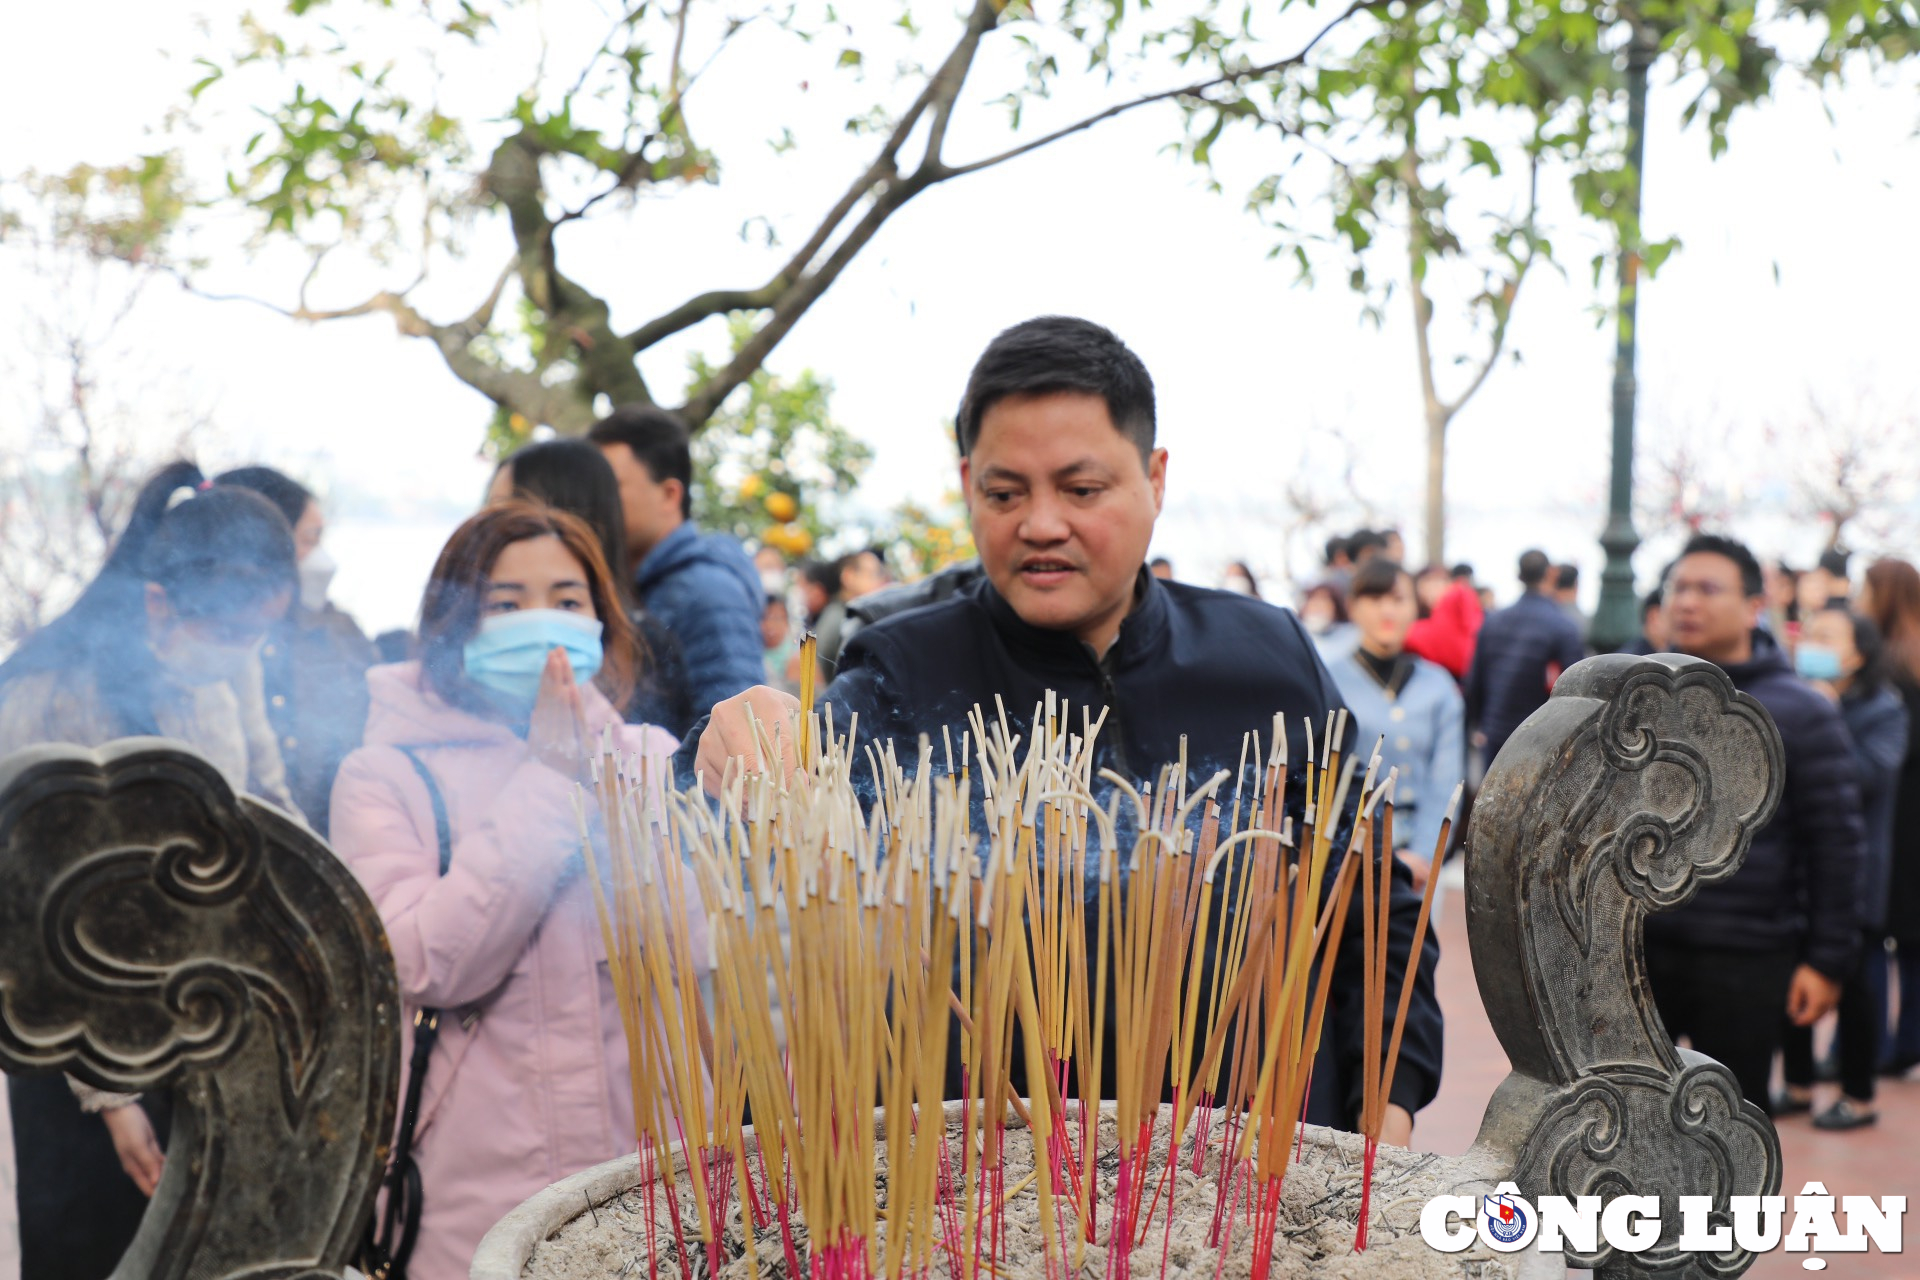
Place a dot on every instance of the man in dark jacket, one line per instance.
(1782, 934)
(1521, 651)
(1063, 484)
(700, 588)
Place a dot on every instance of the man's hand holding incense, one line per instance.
(738, 727)
(556, 733)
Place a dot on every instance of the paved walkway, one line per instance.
(1878, 1161)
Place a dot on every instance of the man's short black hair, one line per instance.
(824, 574)
(1533, 568)
(1834, 562)
(1337, 547)
(1651, 601)
(1362, 541)
(1462, 572)
(658, 439)
(1566, 576)
(1053, 354)
(1752, 581)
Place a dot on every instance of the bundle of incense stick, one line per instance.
(1090, 938)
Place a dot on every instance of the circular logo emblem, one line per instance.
(1504, 1217)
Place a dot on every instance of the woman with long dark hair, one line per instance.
(574, 476)
(313, 683)
(524, 655)
(1890, 596)
(1841, 654)
(158, 643)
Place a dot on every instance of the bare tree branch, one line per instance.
(795, 289)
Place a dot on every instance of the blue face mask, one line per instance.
(1814, 662)
(508, 653)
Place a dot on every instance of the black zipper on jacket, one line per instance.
(1116, 724)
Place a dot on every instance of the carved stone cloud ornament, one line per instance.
(1639, 781)
(156, 931)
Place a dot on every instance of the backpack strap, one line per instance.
(442, 829)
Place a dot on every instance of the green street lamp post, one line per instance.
(1617, 622)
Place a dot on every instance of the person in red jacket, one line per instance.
(1446, 636)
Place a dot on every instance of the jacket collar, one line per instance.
(666, 552)
(1767, 659)
(1142, 631)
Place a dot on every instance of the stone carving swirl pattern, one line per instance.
(1640, 780)
(157, 931)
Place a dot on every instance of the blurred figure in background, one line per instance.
(1447, 634)
(1239, 579)
(155, 645)
(315, 659)
(699, 587)
(573, 476)
(1653, 636)
(1323, 611)
(1825, 586)
(1393, 546)
(1337, 564)
(1520, 653)
(862, 573)
(1891, 597)
(771, 565)
(1414, 704)
(524, 659)
(1429, 585)
(822, 596)
(1783, 602)
(783, 647)
(1841, 655)
(1782, 933)
(1364, 544)
(1161, 568)
(1566, 594)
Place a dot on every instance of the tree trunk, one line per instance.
(1437, 418)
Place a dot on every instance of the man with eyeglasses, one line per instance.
(1781, 933)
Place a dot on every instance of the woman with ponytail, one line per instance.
(154, 645)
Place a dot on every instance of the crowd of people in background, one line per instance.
(582, 599)
(1825, 914)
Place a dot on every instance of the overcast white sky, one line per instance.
(1247, 365)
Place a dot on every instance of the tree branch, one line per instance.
(1503, 315)
(883, 169)
(1198, 89)
(794, 303)
(795, 288)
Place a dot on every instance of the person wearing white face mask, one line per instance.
(310, 698)
(458, 817)
(154, 645)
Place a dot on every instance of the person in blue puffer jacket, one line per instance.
(699, 587)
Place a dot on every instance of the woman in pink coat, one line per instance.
(524, 653)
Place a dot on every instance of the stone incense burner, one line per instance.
(157, 931)
(1639, 781)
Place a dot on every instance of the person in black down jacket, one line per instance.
(1063, 484)
(1521, 651)
(1842, 655)
(1783, 933)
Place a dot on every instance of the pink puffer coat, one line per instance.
(531, 1083)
